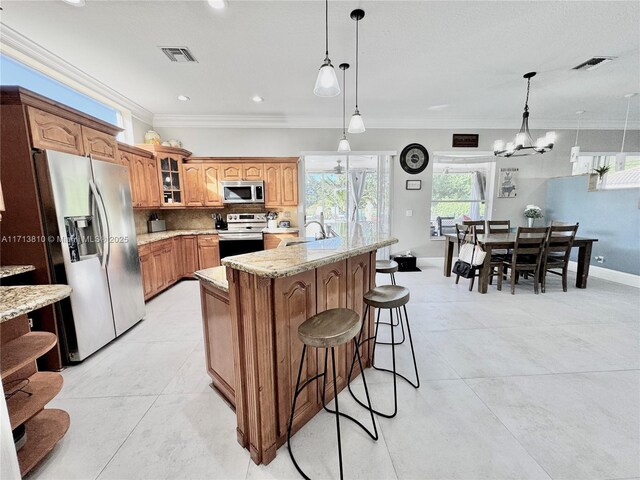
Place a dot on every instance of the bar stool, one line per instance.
(387, 297)
(387, 266)
(328, 330)
(390, 267)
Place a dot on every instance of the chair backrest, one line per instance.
(556, 223)
(479, 224)
(560, 240)
(530, 241)
(498, 226)
(465, 233)
(445, 225)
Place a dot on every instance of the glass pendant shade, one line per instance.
(356, 124)
(327, 81)
(344, 146)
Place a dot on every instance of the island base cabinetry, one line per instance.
(265, 314)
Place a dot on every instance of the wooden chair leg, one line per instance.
(514, 279)
(544, 281)
(564, 278)
(500, 275)
(457, 279)
(471, 281)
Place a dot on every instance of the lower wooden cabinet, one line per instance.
(165, 262)
(272, 240)
(208, 251)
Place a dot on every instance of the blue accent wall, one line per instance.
(611, 216)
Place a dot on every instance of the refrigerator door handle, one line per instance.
(104, 224)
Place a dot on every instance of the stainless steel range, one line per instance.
(243, 234)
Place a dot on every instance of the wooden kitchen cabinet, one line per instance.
(231, 171)
(193, 185)
(168, 169)
(51, 132)
(143, 177)
(212, 191)
(272, 240)
(99, 145)
(148, 271)
(208, 251)
(150, 180)
(252, 171)
(190, 254)
(289, 190)
(272, 184)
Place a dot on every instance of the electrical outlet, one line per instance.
(600, 259)
(409, 213)
(287, 214)
(30, 322)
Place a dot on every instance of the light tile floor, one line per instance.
(524, 386)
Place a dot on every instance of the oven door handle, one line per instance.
(239, 236)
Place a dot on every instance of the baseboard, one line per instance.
(608, 274)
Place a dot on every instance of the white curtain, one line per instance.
(357, 178)
(478, 187)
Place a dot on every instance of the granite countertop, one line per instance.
(288, 261)
(9, 270)
(276, 231)
(145, 238)
(16, 301)
(216, 276)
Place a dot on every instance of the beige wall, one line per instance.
(413, 232)
(139, 129)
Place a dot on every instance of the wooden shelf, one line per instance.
(43, 386)
(25, 349)
(43, 432)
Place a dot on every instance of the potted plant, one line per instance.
(602, 171)
(532, 212)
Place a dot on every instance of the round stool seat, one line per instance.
(386, 266)
(330, 328)
(387, 296)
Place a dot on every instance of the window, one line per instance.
(459, 193)
(16, 73)
(624, 169)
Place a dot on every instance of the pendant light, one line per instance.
(327, 82)
(356, 125)
(621, 158)
(523, 144)
(344, 146)
(575, 150)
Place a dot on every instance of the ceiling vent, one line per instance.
(179, 54)
(593, 63)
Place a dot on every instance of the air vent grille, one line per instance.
(179, 54)
(593, 63)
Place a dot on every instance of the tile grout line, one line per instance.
(386, 444)
(126, 438)
(507, 429)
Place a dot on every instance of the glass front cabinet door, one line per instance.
(171, 181)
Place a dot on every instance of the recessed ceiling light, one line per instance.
(257, 99)
(183, 98)
(438, 107)
(217, 4)
(75, 3)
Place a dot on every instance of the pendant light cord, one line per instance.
(344, 100)
(357, 62)
(526, 102)
(626, 121)
(326, 27)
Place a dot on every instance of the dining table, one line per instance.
(504, 241)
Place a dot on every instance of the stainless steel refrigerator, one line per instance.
(91, 244)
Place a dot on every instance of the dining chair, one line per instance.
(479, 224)
(526, 255)
(557, 250)
(498, 226)
(468, 235)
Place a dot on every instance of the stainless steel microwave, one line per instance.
(242, 191)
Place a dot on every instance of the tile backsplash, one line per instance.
(178, 219)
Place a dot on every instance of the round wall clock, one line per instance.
(414, 158)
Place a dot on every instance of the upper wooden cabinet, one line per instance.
(281, 184)
(143, 176)
(99, 145)
(289, 184)
(231, 171)
(51, 132)
(212, 195)
(193, 185)
(252, 171)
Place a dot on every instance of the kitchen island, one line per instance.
(250, 327)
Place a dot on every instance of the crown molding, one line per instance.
(16, 45)
(435, 122)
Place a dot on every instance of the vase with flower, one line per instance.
(531, 212)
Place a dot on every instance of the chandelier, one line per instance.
(523, 144)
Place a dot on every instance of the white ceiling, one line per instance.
(414, 54)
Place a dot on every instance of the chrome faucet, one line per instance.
(323, 233)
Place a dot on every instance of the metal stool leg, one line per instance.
(335, 397)
(293, 409)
